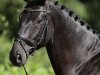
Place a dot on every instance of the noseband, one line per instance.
(42, 31)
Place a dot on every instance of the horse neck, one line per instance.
(71, 44)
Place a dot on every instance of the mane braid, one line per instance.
(76, 17)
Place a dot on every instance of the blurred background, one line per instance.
(88, 10)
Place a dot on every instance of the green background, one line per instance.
(39, 64)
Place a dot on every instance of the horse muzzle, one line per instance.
(17, 56)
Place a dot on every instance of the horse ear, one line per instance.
(41, 2)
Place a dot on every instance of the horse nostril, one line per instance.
(19, 58)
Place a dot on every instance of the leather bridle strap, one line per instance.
(26, 41)
(38, 37)
(19, 40)
(37, 10)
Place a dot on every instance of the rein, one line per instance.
(25, 70)
(43, 30)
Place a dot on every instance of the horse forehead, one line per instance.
(27, 23)
(25, 27)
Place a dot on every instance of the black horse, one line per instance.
(73, 47)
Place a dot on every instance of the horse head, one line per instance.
(34, 32)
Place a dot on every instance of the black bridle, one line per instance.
(42, 31)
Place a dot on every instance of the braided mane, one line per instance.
(76, 18)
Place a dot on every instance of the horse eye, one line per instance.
(38, 21)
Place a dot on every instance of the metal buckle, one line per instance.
(28, 10)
